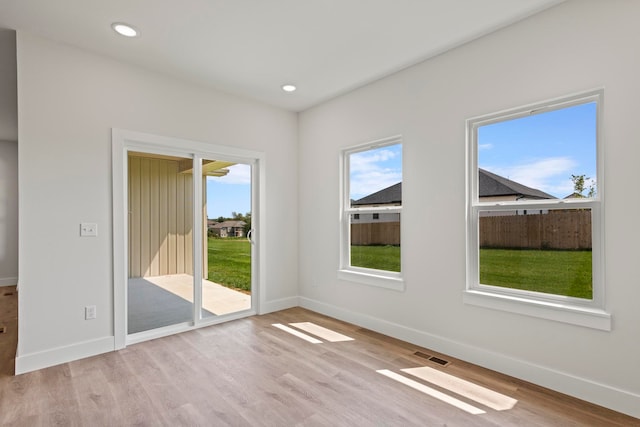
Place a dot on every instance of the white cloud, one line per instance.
(238, 174)
(365, 184)
(485, 147)
(551, 175)
(369, 176)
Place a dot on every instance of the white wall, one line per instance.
(69, 100)
(576, 46)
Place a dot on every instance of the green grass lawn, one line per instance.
(230, 262)
(378, 257)
(555, 272)
(565, 273)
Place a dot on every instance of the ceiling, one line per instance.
(252, 47)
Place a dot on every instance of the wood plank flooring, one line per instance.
(8, 329)
(250, 373)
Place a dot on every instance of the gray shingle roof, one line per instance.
(386, 196)
(490, 184)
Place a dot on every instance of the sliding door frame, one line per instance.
(124, 141)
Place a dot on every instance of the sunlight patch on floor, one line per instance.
(432, 392)
(297, 333)
(313, 329)
(319, 331)
(477, 393)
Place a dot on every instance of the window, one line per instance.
(534, 211)
(371, 212)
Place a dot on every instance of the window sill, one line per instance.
(572, 314)
(395, 283)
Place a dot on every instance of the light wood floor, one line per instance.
(250, 373)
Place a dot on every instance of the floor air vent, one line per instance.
(439, 361)
(433, 359)
(3, 329)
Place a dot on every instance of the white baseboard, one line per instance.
(34, 361)
(279, 304)
(8, 281)
(582, 388)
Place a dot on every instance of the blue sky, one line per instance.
(373, 170)
(229, 193)
(542, 151)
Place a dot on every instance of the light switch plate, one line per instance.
(90, 312)
(88, 229)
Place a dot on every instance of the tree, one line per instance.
(247, 225)
(579, 183)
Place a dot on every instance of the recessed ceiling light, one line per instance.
(124, 29)
(289, 88)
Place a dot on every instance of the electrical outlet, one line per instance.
(90, 312)
(88, 229)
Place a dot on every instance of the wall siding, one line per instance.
(160, 212)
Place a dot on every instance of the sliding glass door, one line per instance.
(189, 240)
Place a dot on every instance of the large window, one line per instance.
(534, 211)
(371, 213)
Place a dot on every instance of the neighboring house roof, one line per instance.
(228, 224)
(386, 196)
(575, 196)
(491, 185)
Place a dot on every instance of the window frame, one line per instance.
(368, 276)
(584, 312)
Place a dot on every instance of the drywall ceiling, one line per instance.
(252, 47)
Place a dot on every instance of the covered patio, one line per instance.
(160, 301)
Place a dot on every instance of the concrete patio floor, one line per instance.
(165, 300)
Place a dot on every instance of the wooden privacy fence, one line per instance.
(376, 233)
(562, 229)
